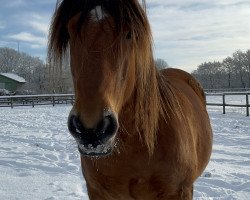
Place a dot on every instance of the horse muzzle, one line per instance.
(98, 141)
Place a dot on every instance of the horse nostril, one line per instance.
(107, 127)
(74, 125)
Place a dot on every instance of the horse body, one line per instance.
(142, 133)
(180, 157)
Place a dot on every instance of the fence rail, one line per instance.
(224, 104)
(33, 100)
(232, 90)
(53, 99)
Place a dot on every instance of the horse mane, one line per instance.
(148, 102)
(123, 12)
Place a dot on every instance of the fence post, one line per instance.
(66, 100)
(72, 100)
(247, 104)
(11, 102)
(33, 103)
(224, 103)
(53, 98)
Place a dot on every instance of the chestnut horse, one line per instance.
(141, 133)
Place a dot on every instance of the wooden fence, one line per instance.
(53, 99)
(33, 100)
(224, 103)
(231, 90)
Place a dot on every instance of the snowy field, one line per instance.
(39, 160)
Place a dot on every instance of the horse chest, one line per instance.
(149, 189)
(131, 183)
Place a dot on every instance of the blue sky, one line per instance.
(186, 32)
(26, 22)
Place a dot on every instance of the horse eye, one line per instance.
(129, 35)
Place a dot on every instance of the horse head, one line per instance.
(110, 53)
(103, 80)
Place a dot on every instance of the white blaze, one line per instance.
(97, 14)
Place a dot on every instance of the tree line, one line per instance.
(41, 78)
(232, 72)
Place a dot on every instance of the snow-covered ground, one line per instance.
(39, 160)
(228, 173)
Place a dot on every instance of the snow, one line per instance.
(39, 159)
(14, 77)
(230, 162)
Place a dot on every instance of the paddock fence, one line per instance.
(231, 90)
(34, 100)
(223, 100)
(229, 99)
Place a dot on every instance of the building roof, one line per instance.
(14, 77)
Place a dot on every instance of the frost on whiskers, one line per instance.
(101, 148)
(97, 14)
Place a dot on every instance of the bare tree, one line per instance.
(161, 64)
(209, 74)
(228, 66)
(240, 64)
(248, 66)
(232, 72)
(8, 59)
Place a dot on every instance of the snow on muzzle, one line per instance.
(97, 141)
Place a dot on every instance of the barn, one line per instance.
(11, 82)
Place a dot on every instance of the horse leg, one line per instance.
(187, 193)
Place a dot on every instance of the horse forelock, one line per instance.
(127, 13)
